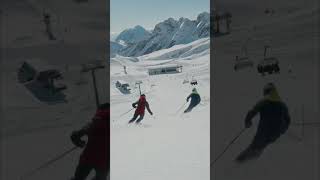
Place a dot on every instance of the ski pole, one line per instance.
(48, 163)
(126, 112)
(181, 107)
(228, 146)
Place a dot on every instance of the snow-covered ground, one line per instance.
(33, 132)
(293, 36)
(169, 145)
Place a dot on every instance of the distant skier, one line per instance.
(140, 106)
(274, 121)
(195, 100)
(95, 156)
(290, 69)
(125, 69)
(47, 22)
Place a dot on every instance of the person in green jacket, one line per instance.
(195, 100)
(274, 121)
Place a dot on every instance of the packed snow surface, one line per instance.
(169, 145)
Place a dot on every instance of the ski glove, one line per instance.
(134, 105)
(76, 139)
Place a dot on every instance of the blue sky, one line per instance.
(147, 13)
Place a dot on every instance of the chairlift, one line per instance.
(268, 65)
(243, 62)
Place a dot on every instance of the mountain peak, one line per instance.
(205, 16)
(168, 33)
(133, 35)
(138, 27)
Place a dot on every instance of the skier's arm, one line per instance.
(189, 97)
(253, 112)
(134, 105)
(77, 135)
(148, 108)
(286, 120)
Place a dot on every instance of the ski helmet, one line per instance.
(268, 88)
(142, 97)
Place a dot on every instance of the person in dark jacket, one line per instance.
(274, 121)
(96, 154)
(140, 106)
(195, 100)
(47, 22)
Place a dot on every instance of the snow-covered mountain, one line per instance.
(193, 50)
(188, 51)
(169, 33)
(132, 35)
(115, 48)
(113, 36)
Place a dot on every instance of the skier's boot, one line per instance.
(131, 121)
(248, 154)
(188, 109)
(139, 120)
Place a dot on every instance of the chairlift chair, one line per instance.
(268, 65)
(243, 62)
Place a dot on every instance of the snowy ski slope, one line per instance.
(292, 34)
(168, 145)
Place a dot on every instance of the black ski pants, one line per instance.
(191, 106)
(135, 116)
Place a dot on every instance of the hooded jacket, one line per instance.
(141, 104)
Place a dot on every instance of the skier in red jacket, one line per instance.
(140, 106)
(96, 155)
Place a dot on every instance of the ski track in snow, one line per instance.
(168, 145)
